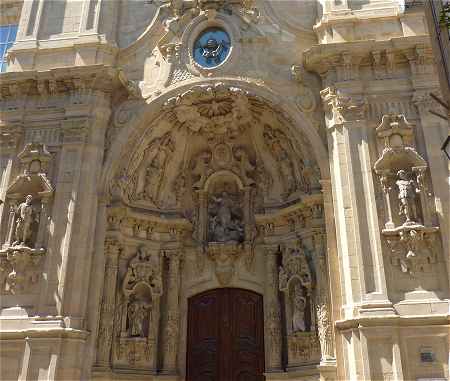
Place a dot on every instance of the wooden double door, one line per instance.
(225, 336)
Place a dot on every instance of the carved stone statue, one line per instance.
(138, 311)
(200, 170)
(299, 306)
(225, 222)
(407, 196)
(26, 218)
(244, 166)
(151, 172)
(324, 332)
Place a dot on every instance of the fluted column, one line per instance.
(106, 324)
(172, 324)
(272, 318)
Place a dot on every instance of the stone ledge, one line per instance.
(393, 321)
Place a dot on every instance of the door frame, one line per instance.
(223, 289)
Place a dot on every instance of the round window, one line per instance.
(212, 47)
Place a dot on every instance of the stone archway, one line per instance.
(220, 189)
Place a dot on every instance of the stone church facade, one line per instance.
(217, 190)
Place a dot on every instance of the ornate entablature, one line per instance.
(28, 199)
(402, 173)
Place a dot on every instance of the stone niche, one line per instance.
(28, 200)
(137, 311)
(413, 241)
(297, 281)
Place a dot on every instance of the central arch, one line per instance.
(213, 185)
(225, 336)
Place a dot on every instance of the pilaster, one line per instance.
(171, 335)
(272, 318)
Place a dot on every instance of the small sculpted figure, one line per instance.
(24, 222)
(407, 196)
(137, 314)
(298, 315)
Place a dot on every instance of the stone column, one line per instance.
(272, 318)
(108, 305)
(172, 326)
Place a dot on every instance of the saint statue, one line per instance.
(24, 222)
(299, 306)
(225, 221)
(407, 196)
(137, 313)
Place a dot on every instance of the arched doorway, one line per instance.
(217, 188)
(225, 336)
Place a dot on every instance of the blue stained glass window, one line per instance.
(212, 47)
(7, 37)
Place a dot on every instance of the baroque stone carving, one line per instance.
(401, 172)
(27, 198)
(212, 109)
(148, 170)
(303, 347)
(225, 219)
(141, 289)
(343, 107)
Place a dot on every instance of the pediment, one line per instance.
(35, 184)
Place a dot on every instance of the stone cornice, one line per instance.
(321, 58)
(393, 321)
(61, 80)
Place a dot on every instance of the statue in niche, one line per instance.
(407, 196)
(25, 223)
(137, 314)
(225, 219)
(299, 308)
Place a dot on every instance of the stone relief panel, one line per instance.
(27, 198)
(409, 232)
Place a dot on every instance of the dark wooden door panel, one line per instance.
(225, 341)
(204, 330)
